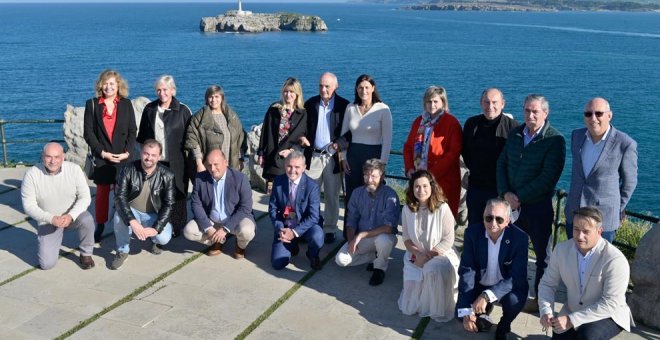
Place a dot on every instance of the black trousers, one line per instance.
(597, 330)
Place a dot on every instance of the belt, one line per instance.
(322, 152)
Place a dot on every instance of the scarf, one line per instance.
(421, 149)
(285, 125)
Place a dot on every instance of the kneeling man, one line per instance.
(56, 195)
(294, 209)
(144, 198)
(371, 223)
(221, 205)
(596, 275)
(493, 269)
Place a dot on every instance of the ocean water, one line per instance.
(51, 54)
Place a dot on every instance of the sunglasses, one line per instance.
(490, 218)
(598, 114)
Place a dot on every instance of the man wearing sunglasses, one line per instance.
(527, 172)
(604, 172)
(493, 268)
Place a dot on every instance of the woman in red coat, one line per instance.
(434, 144)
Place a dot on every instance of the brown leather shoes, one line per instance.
(215, 250)
(86, 262)
(239, 253)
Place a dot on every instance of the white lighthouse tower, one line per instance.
(240, 11)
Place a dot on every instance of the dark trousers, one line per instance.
(512, 303)
(280, 254)
(476, 203)
(536, 220)
(601, 330)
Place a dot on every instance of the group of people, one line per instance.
(306, 146)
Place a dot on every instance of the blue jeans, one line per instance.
(123, 232)
(608, 235)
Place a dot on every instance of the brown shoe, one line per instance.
(215, 250)
(86, 262)
(239, 253)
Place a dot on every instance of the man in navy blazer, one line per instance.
(221, 205)
(493, 268)
(325, 115)
(604, 173)
(294, 210)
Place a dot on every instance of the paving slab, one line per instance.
(339, 303)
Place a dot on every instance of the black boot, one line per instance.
(98, 233)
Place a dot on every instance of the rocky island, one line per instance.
(246, 21)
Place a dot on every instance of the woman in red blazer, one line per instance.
(434, 144)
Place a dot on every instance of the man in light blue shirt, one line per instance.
(325, 114)
(371, 224)
(222, 206)
(604, 172)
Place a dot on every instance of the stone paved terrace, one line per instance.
(183, 294)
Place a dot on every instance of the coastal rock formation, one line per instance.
(644, 273)
(73, 130)
(235, 21)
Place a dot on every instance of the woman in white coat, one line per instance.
(430, 270)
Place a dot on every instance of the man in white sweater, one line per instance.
(56, 195)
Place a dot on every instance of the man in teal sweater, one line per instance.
(528, 170)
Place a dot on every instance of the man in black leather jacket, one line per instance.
(144, 198)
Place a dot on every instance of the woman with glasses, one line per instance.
(430, 264)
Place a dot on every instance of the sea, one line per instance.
(51, 55)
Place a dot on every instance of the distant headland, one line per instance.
(534, 5)
(246, 21)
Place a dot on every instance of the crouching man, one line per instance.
(144, 199)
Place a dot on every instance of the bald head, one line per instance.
(52, 157)
(216, 163)
(327, 86)
(492, 103)
(597, 117)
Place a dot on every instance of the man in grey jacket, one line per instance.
(604, 170)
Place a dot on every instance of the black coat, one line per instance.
(123, 137)
(269, 146)
(176, 120)
(336, 120)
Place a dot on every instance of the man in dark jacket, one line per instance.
(484, 136)
(143, 202)
(222, 205)
(325, 114)
(527, 172)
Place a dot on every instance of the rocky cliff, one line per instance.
(233, 21)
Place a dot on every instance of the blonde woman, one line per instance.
(109, 130)
(284, 124)
(165, 120)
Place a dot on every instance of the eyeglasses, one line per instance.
(490, 218)
(598, 114)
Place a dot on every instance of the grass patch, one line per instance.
(421, 327)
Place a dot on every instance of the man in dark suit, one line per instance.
(221, 205)
(294, 210)
(604, 172)
(493, 268)
(325, 114)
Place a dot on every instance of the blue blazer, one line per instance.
(610, 183)
(512, 260)
(238, 199)
(307, 205)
